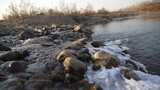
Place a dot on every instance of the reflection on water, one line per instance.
(144, 39)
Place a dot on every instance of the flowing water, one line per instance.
(143, 39)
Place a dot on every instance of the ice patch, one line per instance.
(112, 79)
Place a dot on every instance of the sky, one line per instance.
(110, 5)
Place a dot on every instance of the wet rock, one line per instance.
(38, 84)
(129, 74)
(39, 81)
(58, 73)
(97, 44)
(64, 54)
(83, 85)
(84, 55)
(77, 45)
(71, 36)
(74, 67)
(39, 76)
(23, 75)
(9, 41)
(27, 34)
(55, 36)
(13, 55)
(14, 66)
(57, 41)
(2, 77)
(4, 48)
(96, 67)
(6, 29)
(37, 67)
(1, 62)
(39, 40)
(103, 58)
(12, 84)
(131, 65)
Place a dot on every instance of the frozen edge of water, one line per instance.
(111, 79)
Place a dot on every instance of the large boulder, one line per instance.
(74, 67)
(77, 45)
(64, 54)
(84, 55)
(103, 58)
(14, 66)
(97, 43)
(27, 34)
(13, 55)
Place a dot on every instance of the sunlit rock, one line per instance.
(103, 58)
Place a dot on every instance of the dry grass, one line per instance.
(26, 9)
(146, 6)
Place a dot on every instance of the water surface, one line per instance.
(143, 36)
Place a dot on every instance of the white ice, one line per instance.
(112, 79)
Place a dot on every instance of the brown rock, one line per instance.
(64, 54)
(103, 58)
(77, 28)
(129, 74)
(74, 66)
(78, 44)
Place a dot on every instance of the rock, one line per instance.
(131, 65)
(96, 67)
(74, 67)
(77, 28)
(58, 73)
(37, 67)
(84, 55)
(83, 85)
(78, 44)
(103, 58)
(71, 36)
(38, 84)
(97, 44)
(40, 76)
(23, 75)
(13, 55)
(12, 84)
(129, 74)
(27, 34)
(4, 48)
(39, 81)
(39, 40)
(2, 77)
(14, 66)
(64, 54)
(55, 36)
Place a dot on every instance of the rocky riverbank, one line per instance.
(65, 57)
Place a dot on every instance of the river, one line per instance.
(143, 39)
